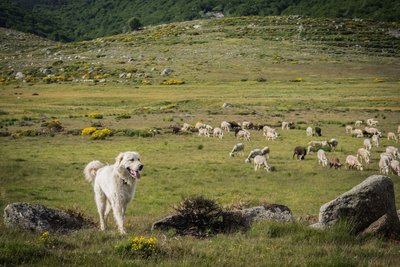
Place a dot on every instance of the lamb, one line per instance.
(217, 132)
(204, 131)
(395, 165)
(309, 131)
(375, 140)
(322, 159)
(357, 133)
(395, 152)
(334, 162)
(300, 152)
(392, 136)
(384, 165)
(259, 162)
(371, 122)
(367, 144)
(237, 150)
(364, 155)
(358, 123)
(247, 125)
(263, 152)
(226, 126)
(333, 144)
(243, 134)
(349, 128)
(286, 125)
(352, 162)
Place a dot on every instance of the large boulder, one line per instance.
(369, 207)
(39, 218)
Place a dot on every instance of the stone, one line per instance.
(19, 76)
(166, 72)
(269, 212)
(38, 218)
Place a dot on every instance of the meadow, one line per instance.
(266, 80)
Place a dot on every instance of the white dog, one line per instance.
(114, 185)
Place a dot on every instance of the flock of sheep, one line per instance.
(388, 159)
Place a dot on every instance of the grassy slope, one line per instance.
(221, 63)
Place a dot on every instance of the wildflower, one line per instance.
(101, 134)
(88, 131)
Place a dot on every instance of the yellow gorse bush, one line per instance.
(173, 82)
(101, 134)
(88, 130)
(144, 246)
(95, 115)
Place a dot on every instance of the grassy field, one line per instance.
(335, 86)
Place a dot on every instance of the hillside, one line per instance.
(60, 21)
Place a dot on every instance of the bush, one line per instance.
(140, 246)
(173, 82)
(95, 115)
(88, 131)
(101, 134)
(53, 126)
(134, 24)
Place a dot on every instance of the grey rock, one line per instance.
(19, 76)
(270, 212)
(39, 218)
(166, 72)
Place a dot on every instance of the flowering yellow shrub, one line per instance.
(298, 79)
(144, 246)
(101, 134)
(173, 82)
(95, 115)
(88, 130)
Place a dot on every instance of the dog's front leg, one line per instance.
(119, 218)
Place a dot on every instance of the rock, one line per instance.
(369, 206)
(270, 212)
(39, 218)
(166, 71)
(19, 76)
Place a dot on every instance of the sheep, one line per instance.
(309, 131)
(263, 152)
(318, 131)
(349, 128)
(322, 159)
(358, 123)
(392, 136)
(395, 166)
(247, 125)
(271, 135)
(375, 140)
(395, 152)
(237, 150)
(217, 132)
(334, 162)
(186, 127)
(300, 152)
(199, 125)
(367, 144)
(384, 165)
(364, 155)
(286, 125)
(352, 162)
(371, 131)
(333, 144)
(234, 125)
(243, 134)
(204, 131)
(388, 156)
(357, 133)
(226, 126)
(209, 128)
(371, 122)
(313, 144)
(259, 162)
(175, 130)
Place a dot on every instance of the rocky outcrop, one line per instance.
(39, 219)
(369, 207)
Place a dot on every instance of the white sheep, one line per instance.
(259, 162)
(395, 152)
(309, 131)
(204, 132)
(286, 125)
(352, 162)
(263, 152)
(199, 125)
(367, 144)
(357, 133)
(186, 127)
(271, 135)
(349, 128)
(322, 159)
(392, 136)
(209, 128)
(217, 132)
(226, 126)
(375, 140)
(313, 144)
(358, 123)
(384, 165)
(395, 165)
(371, 122)
(237, 150)
(243, 134)
(364, 155)
(373, 131)
(247, 125)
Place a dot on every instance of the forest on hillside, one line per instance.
(77, 20)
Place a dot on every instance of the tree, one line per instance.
(134, 24)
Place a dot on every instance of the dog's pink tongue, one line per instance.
(137, 174)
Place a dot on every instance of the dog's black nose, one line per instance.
(140, 167)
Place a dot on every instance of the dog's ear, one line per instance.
(119, 158)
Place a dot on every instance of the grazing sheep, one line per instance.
(364, 155)
(204, 132)
(371, 122)
(263, 152)
(333, 144)
(186, 127)
(322, 159)
(334, 162)
(226, 126)
(395, 152)
(352, 162)
(371, 131)
(199, 125)
(237, 150)
(243, 134)
(286, 125)
(209, 128)
(271, 135)
(395, 165)
(318, 131)
(300, 152)
(375, 140)
(234, 125)
(309, 131)
(349, 128)
(247, 125)
(259, 162)
(387, 156)
(384, 165)
(392, 136)
(313, 144)
(217, 132)
(367, 144)
(357, 133)
(175, 129)
(358, 123)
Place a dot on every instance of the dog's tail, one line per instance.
(91, 170)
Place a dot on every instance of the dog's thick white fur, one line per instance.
(114, 185)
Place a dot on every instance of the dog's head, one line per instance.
(129, 164)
